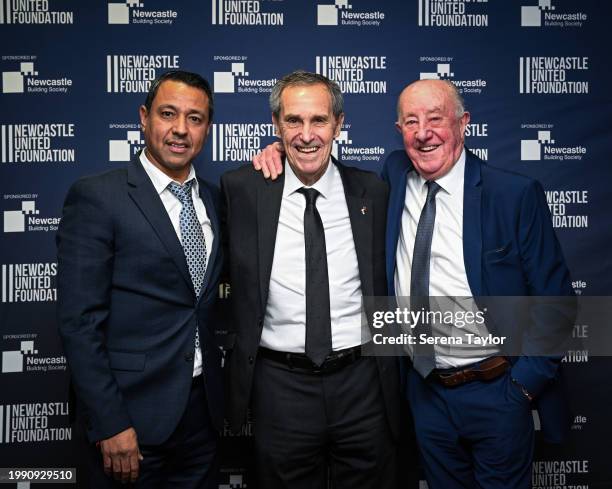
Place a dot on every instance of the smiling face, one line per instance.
(307, 127)
(433, 134)
(175, 128)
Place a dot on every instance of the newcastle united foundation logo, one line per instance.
(37, 143)
(33, 12)
(132, 73)
(34, 422)
(453, 13)
(252, 12)
(238, 143)
(550, 74)
(29, 282)
(355, 74)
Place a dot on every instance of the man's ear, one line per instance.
(339, 122)
(276, 126)
(144, 114)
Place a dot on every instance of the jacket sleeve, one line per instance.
(85, 272)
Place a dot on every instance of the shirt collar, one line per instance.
(324, 185)
(453, 180)
(159, 179)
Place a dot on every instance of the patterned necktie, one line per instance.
(318, 323)
(424, 358)
(192, 238)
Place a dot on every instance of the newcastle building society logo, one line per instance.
(351, 73)
(549, 74)
(237, 143)
(132, 11)
(340, 13)
(29, 282)
(35, 143)
(531, 16)
(130, 73)
(24, 80)
(34, 422)
(125, 149)
(452, 13)
(444, 72)
(27, 359)
(237, 79)
(32, 12)
(243, 12)
(26, 218)
(344, 150)
(545, 148)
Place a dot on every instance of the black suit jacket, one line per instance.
(127, 308)
(251, 207)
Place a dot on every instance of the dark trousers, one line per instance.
(187, 460)
(311, 426)
(477, 435)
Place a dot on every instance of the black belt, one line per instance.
(334, 361)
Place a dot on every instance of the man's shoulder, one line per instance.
(367, 178)
(101, 182)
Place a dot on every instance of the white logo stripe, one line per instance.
(214, 142)
(1, 424)
(116, 72)
(2, 22)
(8, 11)
(318, 64)
(8, 422)
(220, 11)
(10, 143)
(521, 76)
(109, 74)
(3, 143)
(420, 12)
(221, 142)
(214, 12)
(10, 284)
(426, 12)
(3, 291)
(528, 73)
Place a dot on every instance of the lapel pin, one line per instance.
(364, 210)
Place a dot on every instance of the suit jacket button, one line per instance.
(189, 356)
(251, 360)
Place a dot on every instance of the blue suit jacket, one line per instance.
(127, 308)
(510, 249)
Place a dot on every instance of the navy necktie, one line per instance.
(318, 322)
(424, 359)
(192, 238)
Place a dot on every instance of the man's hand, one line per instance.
(121, 456)
(270, 160)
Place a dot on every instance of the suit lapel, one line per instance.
(269, 197)
(214, 224)
(397, 199)
(361, 215)
(472, 224)
(144, 195)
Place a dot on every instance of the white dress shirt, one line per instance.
(173, 207)
(284, 326)
(447, 276)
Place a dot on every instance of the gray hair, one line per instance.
(455, 94)
(301, 77)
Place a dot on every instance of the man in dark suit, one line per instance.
(491, 236)
(303, 250)
(139, 262)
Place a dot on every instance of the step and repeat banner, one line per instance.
(535, 74)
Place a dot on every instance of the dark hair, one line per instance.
(301, 77)
(186, 77)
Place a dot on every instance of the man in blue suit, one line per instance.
(491, 236)
(139, 263)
